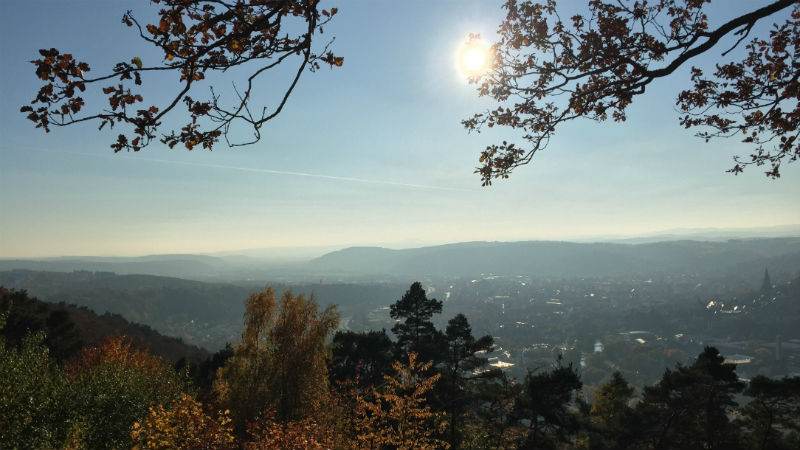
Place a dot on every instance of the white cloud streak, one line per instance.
(273, 172)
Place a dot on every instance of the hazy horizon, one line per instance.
(303, 253)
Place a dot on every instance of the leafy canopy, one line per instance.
(281, 363)
(112, 386)
(183, 425)
(196, 37)
(548, 71)
(397, 416)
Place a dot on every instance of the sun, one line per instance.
(473, 58)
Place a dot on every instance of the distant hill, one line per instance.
(697, 250)
(70, 327)
(703, 234)
(140, 298)
(568, 259)
(164, 265)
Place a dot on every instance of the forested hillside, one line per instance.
(68, 327)
(140, 298)
(185, 266)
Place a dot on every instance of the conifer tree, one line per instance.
(498, 427)
(771, 420)
(545, 406)
(415, 332)
(461, 373)
(613, 422)
(690, 407)
(364, 356)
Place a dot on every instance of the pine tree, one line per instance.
(771, 420)
(613, 421)
(364, 356)
(461, 373)
(690, 407)
(415, 332)
(545, 405)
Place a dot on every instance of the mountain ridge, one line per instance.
(562, 258)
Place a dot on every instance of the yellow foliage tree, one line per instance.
(281, 363)
(345, 416)
(184, 426)
(397, 417)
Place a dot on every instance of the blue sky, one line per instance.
(369, 154)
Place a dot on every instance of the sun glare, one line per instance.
(472, 58)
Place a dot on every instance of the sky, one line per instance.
(372, 153)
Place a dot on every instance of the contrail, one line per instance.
(270, 171)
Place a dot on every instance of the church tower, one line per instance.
(766, 285)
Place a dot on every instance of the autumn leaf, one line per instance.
(194, 37)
